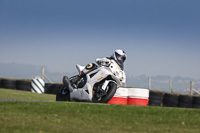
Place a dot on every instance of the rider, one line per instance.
(85, 93)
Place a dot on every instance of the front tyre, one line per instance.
(112, 88)
(63, 94)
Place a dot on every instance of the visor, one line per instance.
(120, 60)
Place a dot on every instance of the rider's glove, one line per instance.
(106, 61)
(103, 61)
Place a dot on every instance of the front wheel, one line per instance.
(63, 94)
(112, 88)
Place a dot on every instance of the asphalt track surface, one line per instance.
(45, 101)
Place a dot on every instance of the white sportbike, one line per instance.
(100, 83)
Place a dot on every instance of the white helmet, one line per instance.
(119, 56)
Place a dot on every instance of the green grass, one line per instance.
(16, 94)
(54, 117)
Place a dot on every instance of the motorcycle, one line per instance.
(104, 79)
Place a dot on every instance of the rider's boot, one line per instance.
(82, 72)
(66, 83)
(76, 79)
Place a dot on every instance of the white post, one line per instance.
(170, 86)
(149, 82)
(42, 76)
(61, 77)
(191, 88)
(125, 84)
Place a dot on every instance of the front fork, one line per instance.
(103, 88)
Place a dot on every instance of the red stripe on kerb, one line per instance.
(138, 101)
(118, 100)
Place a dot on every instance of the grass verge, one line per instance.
(54, 117)
(17, 94)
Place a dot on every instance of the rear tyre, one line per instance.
(185, 101)
(8, 84)
(155, 98)
(112, 88)
(196, 102)
(0, 83)
(170, 100)
(48, 88)
(23, 85)
(62, 95)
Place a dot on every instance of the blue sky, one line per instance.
(160, 37)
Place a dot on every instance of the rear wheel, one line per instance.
(111, 89)
(63, 94)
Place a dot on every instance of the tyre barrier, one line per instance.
(55, 88)
(170, 100)
(120, 97)
(138, 96)
(23, 85)
(185, 101)
(37, 85)
(47, 88)
(196, 102)
(123, 96)
(155, 98)
(52, 88)
(8, 84)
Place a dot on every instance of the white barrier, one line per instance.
(131, 96)
(138, 96)
(37, 85)
(138, 93)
